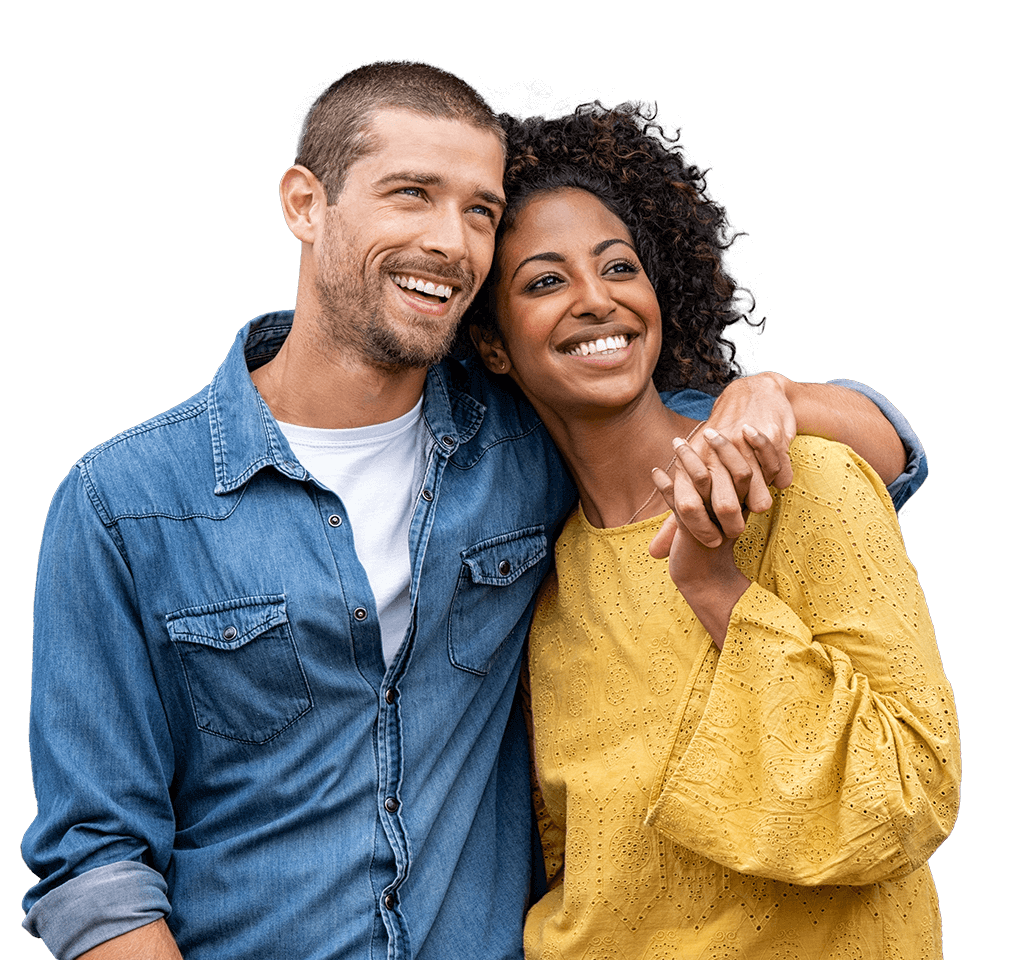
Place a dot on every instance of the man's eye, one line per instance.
(411, 191)
(484, 211)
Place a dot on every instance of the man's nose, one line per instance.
(445, 235)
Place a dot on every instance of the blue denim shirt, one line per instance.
(215, 736)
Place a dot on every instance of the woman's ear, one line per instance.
(491, 350)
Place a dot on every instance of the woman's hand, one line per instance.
(707, 576)
(710, 496)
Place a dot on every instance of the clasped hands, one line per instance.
(722, 473)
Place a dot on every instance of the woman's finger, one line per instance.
(732, 475)
(683, 495)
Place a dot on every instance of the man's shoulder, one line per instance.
(145, 468)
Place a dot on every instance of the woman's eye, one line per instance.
(542, 283)
(623, 266)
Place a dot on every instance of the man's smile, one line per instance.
(419, 285)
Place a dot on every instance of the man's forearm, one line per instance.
(151, 942)
(838, 413)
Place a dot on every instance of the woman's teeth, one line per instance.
(422, 286)
(603, 345)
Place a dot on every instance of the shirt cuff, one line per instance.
(97, 906)
(916, 469)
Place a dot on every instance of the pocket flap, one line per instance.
(228, 624)
(501, 560)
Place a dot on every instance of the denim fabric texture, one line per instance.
(215, 737)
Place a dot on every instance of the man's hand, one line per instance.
(760, 402)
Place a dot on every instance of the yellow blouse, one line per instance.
(777, 800)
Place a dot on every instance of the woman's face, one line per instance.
(579, 318)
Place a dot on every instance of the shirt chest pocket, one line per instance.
(241, 666)
(497, 582)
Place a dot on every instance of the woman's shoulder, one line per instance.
(827, 472)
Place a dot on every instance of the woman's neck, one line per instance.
(611, 457)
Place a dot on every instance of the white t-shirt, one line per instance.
(377, 472)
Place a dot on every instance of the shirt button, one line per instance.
(334, 520)
(504, 568)
(390, 901)
(229, 633)
(390, 695)
(448, 441)
(359, 613)
(427, 495)
(391, 805)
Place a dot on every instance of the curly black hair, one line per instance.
(628, 162)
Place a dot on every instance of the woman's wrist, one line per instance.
(712, 600)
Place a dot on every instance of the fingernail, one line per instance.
(678, 442)
(711, 433)
(749, 431)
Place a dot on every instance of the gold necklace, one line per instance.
(643, 506)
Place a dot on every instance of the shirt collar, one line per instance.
(246, 437)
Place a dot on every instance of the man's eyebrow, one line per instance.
(434, 180)
(551, 257)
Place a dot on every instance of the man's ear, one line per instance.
(491, 350)
(303, 201)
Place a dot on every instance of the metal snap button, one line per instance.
(334, 520)
(359, 613)
(229, 633)
(504, 568)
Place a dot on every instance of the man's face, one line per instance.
(409, 240)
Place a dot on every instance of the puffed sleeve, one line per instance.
(820, 746)
(102, 757)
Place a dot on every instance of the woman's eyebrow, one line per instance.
(552, 257)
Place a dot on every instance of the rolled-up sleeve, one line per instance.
(97, 906)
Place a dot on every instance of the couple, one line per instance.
(279, 628)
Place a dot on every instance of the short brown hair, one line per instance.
(336, 131)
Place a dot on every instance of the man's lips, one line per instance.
(416, 284)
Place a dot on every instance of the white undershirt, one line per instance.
(377, 472)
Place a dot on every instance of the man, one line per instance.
(279, 628)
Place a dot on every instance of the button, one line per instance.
(504, 568)
(229, 633)
(334, 520)
(390, 695)
(448, 441)
(427, 495)
(391, 805)
(390, 901)
(359, 613)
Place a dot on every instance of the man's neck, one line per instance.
(310, 388)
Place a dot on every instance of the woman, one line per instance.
(749, 751)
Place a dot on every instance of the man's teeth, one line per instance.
(423, 286)
(602, 345)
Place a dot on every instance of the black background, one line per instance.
(150, 231)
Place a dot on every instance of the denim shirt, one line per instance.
(215, 736)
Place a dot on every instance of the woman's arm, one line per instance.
(824, 745)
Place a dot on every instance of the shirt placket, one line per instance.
(391, 811)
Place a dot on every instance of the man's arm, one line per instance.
(779, 408)
(151, 942)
